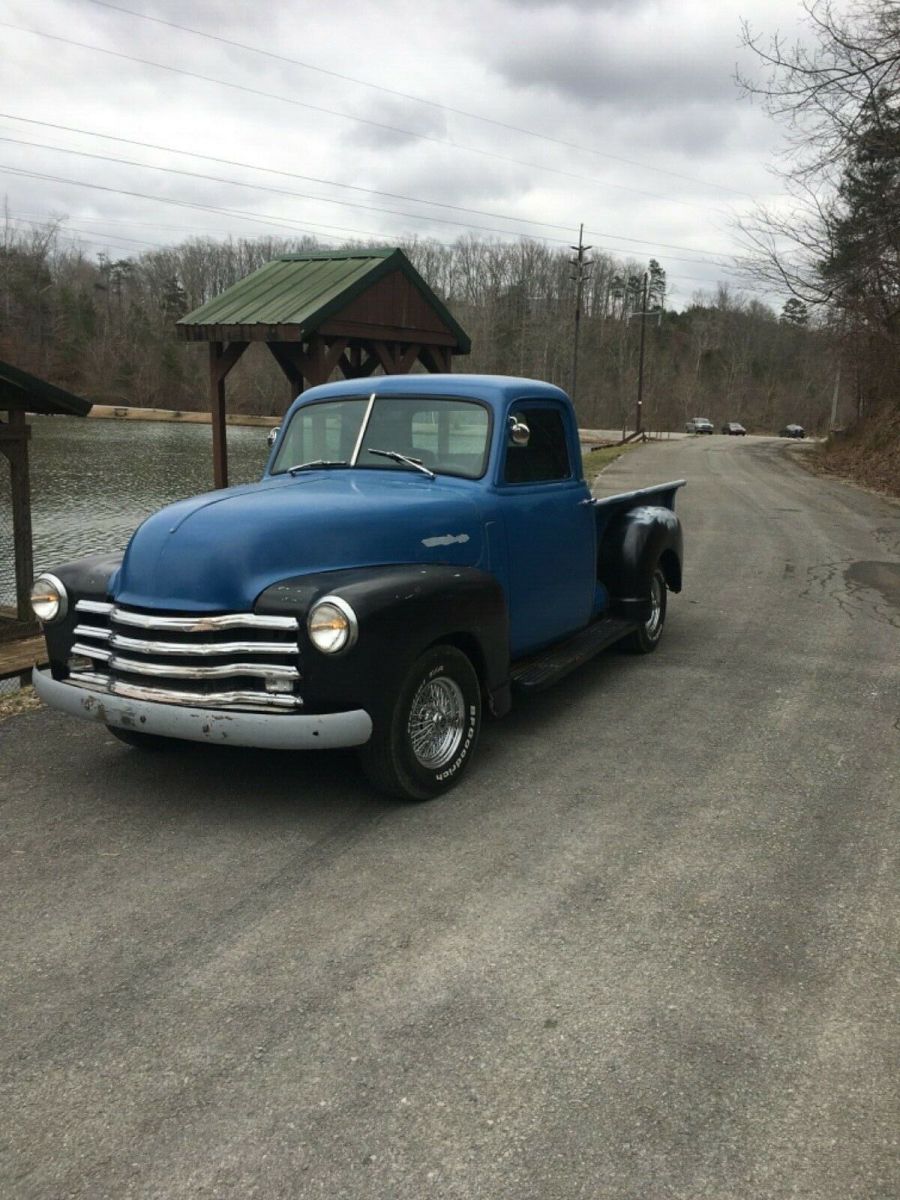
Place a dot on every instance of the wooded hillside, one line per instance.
(106, 329)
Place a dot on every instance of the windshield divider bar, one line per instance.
(362, 431)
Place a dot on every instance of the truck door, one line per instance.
(550, 531)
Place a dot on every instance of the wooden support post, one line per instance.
(222, 357)
(386, 357)
(14, 445)
(292, 360)
(350, 362)
(407, 358)
(436, 359)
(315, 370)
(217, 411)
(22, 534)
(332, 356)
(355, 366)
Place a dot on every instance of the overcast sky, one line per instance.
(364, 120)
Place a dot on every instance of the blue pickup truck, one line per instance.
(419, 547)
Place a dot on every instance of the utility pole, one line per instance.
(643, 314)
(834, 398)
(582, 271)
(638, 420)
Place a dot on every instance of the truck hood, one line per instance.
(217, 552)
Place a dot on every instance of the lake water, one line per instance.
(94, 481)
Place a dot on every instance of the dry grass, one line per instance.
(593, 461)
(24, 700)
(868, 454)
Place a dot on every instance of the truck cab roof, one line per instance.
(498, 390)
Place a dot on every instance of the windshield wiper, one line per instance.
(317, 462)
(405, 460)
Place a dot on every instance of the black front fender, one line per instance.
(401, 610)
(85, 579)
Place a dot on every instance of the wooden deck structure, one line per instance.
(21, 393)
(356, 312)
(18, 657)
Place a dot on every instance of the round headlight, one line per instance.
(49, 599)
(332, 625)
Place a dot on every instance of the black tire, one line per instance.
(646, 638)
(422, 745)
(140, 741)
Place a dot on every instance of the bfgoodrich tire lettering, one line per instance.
(424, 743)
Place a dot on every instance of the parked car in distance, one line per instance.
(734, 428)
(699, 425)
(793, 431)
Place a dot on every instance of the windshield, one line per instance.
(448, 436)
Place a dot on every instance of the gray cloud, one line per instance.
(391, 122)
(593, 71)
(638, 80)
(585, 6)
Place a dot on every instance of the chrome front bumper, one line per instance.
(268, 731)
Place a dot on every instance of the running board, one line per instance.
(545, 668)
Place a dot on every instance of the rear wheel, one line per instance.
(422, 745)
(646, 637)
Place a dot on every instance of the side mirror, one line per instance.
(519, 433)
(272, 436)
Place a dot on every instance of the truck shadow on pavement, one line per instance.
(233, 783)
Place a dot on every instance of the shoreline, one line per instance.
(118, 412)
(121, 412)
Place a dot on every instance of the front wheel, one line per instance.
(646, 637)
(422, 745)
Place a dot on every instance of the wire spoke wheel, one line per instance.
(653, 625)
(436, 722)
(647, 636)
(423, 742)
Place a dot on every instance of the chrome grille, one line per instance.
(231, 660)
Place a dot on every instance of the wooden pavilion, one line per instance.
(21, 393)
(352, 311)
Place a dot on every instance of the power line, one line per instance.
(447, 142)
(259, 220)
(91, 239)
(459, 112)
(189, 229)
(318, 179)
(275, 171)
(50, 217)
(321, 199)
(266, 219)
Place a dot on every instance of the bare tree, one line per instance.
(836, 244)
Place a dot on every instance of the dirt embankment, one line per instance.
(868, 454)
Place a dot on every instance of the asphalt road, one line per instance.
(647, 950)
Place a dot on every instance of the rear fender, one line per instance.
(631, 546)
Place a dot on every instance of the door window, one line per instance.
(546, 457)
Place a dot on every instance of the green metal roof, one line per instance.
(21, 392)
(306, 289)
